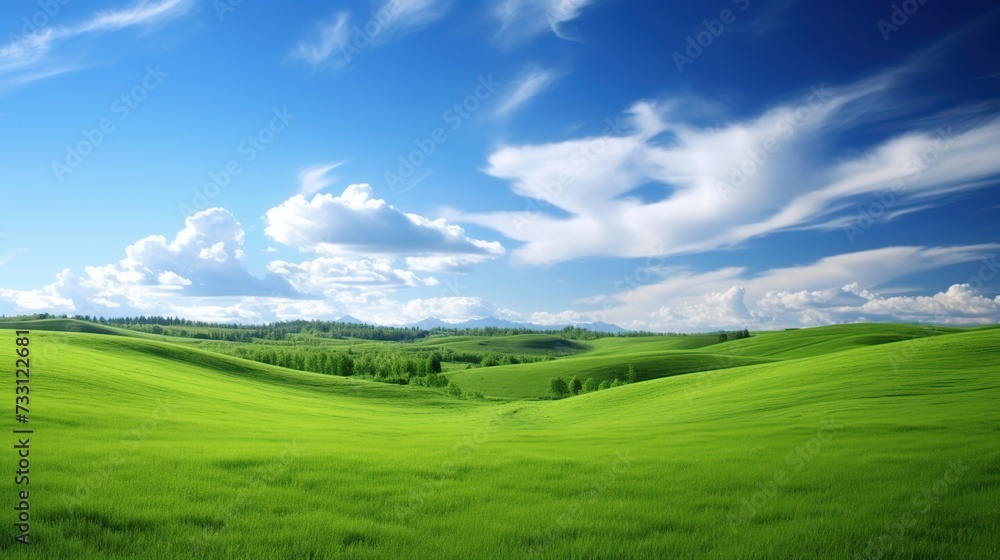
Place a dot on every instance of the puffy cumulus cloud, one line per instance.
(849, 296)
(717, 308)
(204, 260)
(357, 223)
(960, 304)
(328, 275)
(662, 182)
(834, 289)
(201, 274)
(45, 299)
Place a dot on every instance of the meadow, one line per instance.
(852, 441)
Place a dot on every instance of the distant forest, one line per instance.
(232, 332)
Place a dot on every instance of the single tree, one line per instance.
(589, 385)
(575, 386)
(558, 387)
(723, 337)
(434, 364)
(630, 376)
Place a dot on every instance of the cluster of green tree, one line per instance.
(734, 335)
(559, 388)
(491, 359)
(382, 365)
(387, 364)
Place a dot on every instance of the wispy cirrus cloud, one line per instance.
(666, 185)
(316, 178)
(522, 19)
(328, 38)
(32, 57)
(336, 41)
(532, 83)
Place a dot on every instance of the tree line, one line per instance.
(559, 388)
(232, 332)
(725, 336)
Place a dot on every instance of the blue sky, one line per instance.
(680, 168)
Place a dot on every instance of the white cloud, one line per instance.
(839, 288)
(28, 57)
(171, 278)
(315, 179)
(330, 275)
(337, 41)
(330, 37)
(527, 87)
(723, 184)
(561, 318)
(366, 249)
(141, 13)
(204, 260)
(521, 19)
(452, 310)
(358, 223)
(411, 15)
(44, 299)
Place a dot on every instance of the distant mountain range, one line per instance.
(433, 322)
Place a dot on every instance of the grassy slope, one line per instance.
(63, 325)
(498, 481)
(656, 357)
(530, 344)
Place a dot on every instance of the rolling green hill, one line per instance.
(63, 325)
(655, 357)
(528, 344)
(155, 450)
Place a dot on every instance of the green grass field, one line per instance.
(856, 441)
(656, 357)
